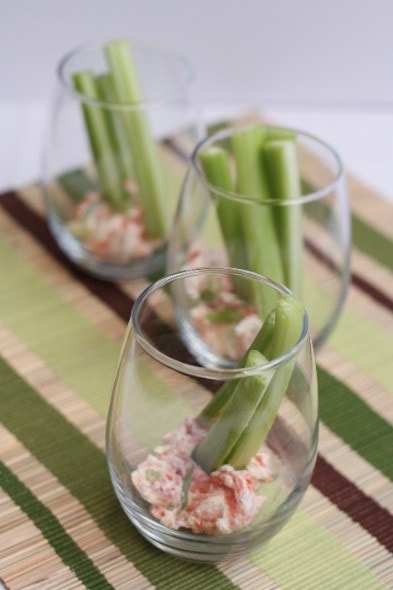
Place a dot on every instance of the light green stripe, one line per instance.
(72, 347)
(303, 555)
(367, 345)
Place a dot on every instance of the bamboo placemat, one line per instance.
(61, 526)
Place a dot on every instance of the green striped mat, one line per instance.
(60, 523)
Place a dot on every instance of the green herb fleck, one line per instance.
(186, 487)
(208, 295)
(225, 316)
(152, 475)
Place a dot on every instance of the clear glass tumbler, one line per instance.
(213, 424)
(111, 182)
(295, 231)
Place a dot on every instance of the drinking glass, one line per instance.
(301, 240)
(110, 180)
(212, 428)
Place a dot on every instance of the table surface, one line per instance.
(60, 336)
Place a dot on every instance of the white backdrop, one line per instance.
(335, 51)
(325, 65)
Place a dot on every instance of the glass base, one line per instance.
(204, 548)
(151, 267)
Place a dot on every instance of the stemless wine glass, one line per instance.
(213, 423)
(110, 179)
(297, 232)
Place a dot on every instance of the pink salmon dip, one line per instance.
(111, 236)
(225, 323)
(182, 495)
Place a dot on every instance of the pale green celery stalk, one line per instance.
(289, 318)
(215, 165)
(149, 173)
(115, 126)
(222, 437)
(282, 165)
(251, 178)
(257, 221)
(263, 343)
(279, 133)
(100, 142)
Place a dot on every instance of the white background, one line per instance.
(324, 65)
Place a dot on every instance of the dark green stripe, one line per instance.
(81, 468)
(62, 543)
(367, 239)
(356, 423)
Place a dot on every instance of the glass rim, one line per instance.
(213, 373)
(304, 198)
(167, 50)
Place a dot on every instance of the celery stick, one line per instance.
(215, 165)
(149, 174)
(100, 141)
(279, 133)
(211, 453)
(251, 178)
(282, 164)
(242, 413)
(289, 316)
(115, 126)
(257, 221)
(262, 342)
